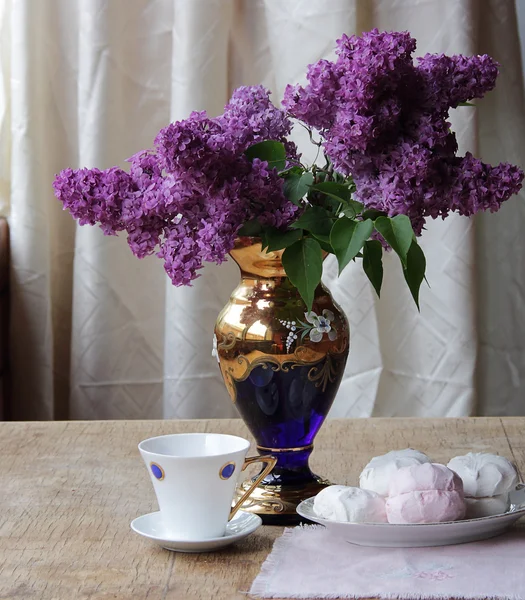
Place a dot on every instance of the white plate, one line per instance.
(418, 535)
(151, 527)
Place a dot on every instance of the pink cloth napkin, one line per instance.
(308, 562)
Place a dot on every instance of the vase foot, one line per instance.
(276, 504)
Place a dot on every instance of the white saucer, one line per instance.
(421, 534)
(151, 527)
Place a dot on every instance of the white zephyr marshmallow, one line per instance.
(486, 507)
(484, 475)
(350, 504)
(378, 472)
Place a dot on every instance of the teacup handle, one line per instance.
(270, 464)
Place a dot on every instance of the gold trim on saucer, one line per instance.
(298, 449)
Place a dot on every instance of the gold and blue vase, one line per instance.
(282, 365)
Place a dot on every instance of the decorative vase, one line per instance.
(282, 366)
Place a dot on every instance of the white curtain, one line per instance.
(97, 333)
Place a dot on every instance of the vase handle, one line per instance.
(270, 464)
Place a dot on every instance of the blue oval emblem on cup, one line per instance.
(157, 471)
(227, 470)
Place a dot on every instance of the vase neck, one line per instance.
(254, 262)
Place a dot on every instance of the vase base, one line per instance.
(276, 504)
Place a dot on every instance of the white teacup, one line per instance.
(194, 476)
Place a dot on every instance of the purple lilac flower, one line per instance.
(186, 147)
(383, 120)
(93, 196)
(187, 198)
(355, 101)
(479, 187)
(450, 80)
(250, 117)
(316, 104)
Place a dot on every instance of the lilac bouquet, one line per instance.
(390, 162)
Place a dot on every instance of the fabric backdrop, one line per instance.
(97, 333)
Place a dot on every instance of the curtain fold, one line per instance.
(500, 242)
(97, 333)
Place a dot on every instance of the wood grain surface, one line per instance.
(68, 491)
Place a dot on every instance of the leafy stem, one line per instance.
(330, 220)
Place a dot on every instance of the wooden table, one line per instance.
(70, 489)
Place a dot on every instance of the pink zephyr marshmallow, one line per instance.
(427, 493)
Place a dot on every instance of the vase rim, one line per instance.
(252, 259)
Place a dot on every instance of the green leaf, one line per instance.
(275, 239)
(339, 198)
(325, 246)
(324, 242)
(335, 190)
(347, 238)
(397, 231)
(373, 214)
(332, 205)
(352, 208)
(415, 270)
(250, 228)
(373, 263)
(303, 264)
(322, 237)
(272, 152)
(314, 219)
(296, 186)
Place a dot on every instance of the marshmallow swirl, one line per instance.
(378, 472)
(484, 474)
(350, 504)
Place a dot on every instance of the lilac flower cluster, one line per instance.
(383, 120)
(188, 198)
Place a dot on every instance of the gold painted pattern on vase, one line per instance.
(265, 324)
